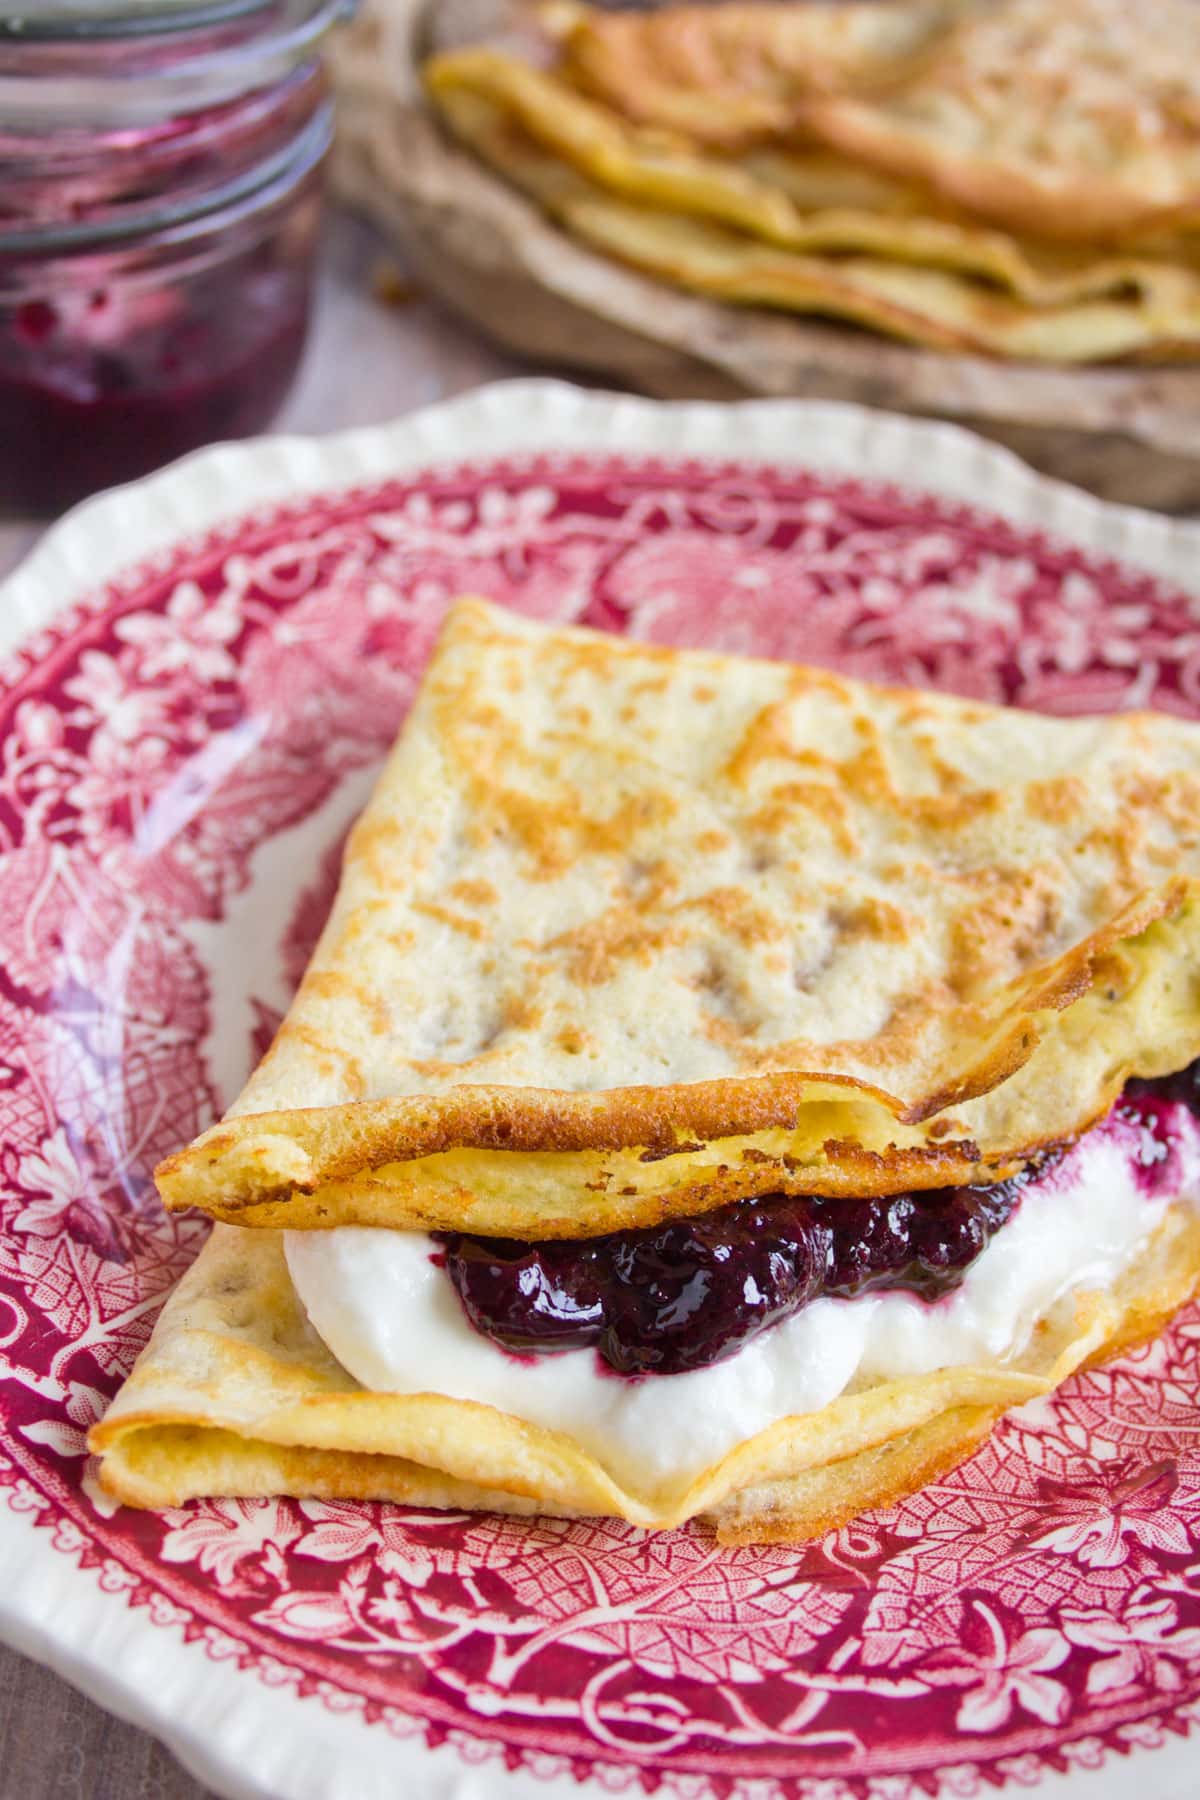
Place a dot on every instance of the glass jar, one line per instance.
(160, 175)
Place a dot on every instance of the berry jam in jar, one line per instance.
(160, 186)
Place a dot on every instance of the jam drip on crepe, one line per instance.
(688, 1293)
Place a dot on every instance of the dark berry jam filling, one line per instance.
(1180, 1089)
(155, 285)
(214, 359)
(691, 1292)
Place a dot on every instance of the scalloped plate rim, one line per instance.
(237, 1734)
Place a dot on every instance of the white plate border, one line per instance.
(235, 1731)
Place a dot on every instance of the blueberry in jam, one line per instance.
(688, 1293)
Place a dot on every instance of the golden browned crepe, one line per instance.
(846, 939)
(861, 167)
(236, 1394)
(1079, 119)
(625, 933)
(991, 177)
(736, 74)
(811, 201)
(912, 285)
(1076, 119)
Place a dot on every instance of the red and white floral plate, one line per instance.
(202, 673)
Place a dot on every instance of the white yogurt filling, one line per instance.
(393, 1319)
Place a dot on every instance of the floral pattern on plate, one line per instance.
(179, 763)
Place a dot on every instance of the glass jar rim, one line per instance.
(75, 20)
(82, 20)
(102, 77)
(259, 187)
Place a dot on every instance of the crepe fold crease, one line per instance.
(628, 932)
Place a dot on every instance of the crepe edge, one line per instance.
(825, 1499)
(153, 1460)
(611, 152)
(701, 255)
(447, 1161)
(1016, 195)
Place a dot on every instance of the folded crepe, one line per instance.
(810, 201)
(1076, 120)
(735, 232)
(627, 934)
(236, 1394)
(737, 74)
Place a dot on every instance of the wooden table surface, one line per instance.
(367, 362)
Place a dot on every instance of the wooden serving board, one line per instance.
(1129, 434)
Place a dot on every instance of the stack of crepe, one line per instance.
(626, 934)
(1006, 177)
